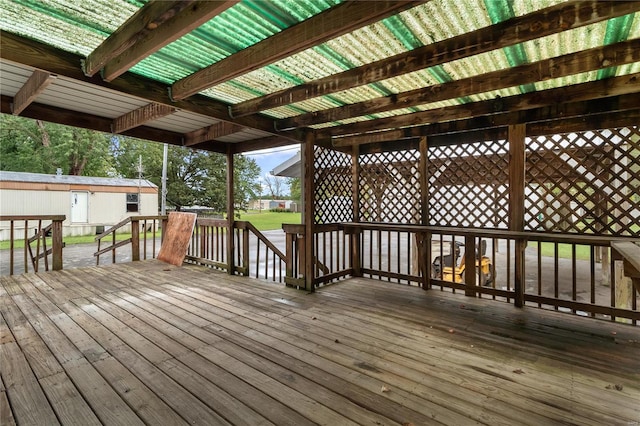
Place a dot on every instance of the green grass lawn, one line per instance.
(267, 221)
(564, 250)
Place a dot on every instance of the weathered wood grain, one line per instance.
(177, 237)
(143, 343)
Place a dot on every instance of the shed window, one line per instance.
(132, 203)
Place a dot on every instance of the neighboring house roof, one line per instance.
(73, 180)
(289, 168)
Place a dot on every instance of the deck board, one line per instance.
(150, 343)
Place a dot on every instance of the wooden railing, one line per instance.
(579, 274)
(573, 273)
(144, 231)
(253, 255)
(33, 255)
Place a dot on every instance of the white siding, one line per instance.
(105, 209)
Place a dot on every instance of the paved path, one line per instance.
(77, 255)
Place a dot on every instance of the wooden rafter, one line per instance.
(151, 28)
(89, 121)
(210, 133)
(334, 22)
(37, 82)
(574, 109)
(148, 18)
(189, 18)
(587, 60)
(140, 116)
(517, 30)
(262, 143)
(579, 92)
(38, 55)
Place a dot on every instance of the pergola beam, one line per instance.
(39, 55)
(37, 82)
(332, 23)
(140, 116)
(587, 60)
(210, 133)
(622, 85)
(517, 30)
(154, 26)
(83, 120)
(613, 104)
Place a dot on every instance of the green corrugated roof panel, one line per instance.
(238, 27)
(77, 27)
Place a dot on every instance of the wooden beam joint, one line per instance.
(140, 116)
(37, 82)
(210, 133)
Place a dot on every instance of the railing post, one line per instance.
(245, 252)
(356, 250)
(289, 254)
(135, 239)
(470, 273)
(56, 244)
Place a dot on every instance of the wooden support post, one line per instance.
(56, 244)
(309, 210)
(517, 133)
(424, 242)
(230, 213)
(356, 243)
(135, 239)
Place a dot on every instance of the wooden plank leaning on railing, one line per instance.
(40, 236)
(144, 225)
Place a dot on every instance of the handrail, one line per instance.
(492, 233)
(249, 226)
(134, 240)
(56, 241)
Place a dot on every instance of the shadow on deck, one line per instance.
(145, 342)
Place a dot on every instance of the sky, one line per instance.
(268, 159)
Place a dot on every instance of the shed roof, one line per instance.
(256, 73)
(6, 176)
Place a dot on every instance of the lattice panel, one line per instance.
(390, 187)
(333, 186)
(469, 185)
(584, 183)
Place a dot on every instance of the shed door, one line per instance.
(79, 207)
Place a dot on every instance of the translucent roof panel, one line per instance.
(76, 27)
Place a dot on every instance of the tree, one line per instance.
(193, 177)
(35, 146)
(274, 185)
(295, 188)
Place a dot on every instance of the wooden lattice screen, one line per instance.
(584, 182)
(389, 187)
(469, 185)
(333, 195)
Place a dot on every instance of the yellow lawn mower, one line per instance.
(446, 267)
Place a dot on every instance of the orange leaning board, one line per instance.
(176, 237)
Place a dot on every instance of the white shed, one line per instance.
(90, 203)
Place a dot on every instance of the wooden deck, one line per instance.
(149, 343)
